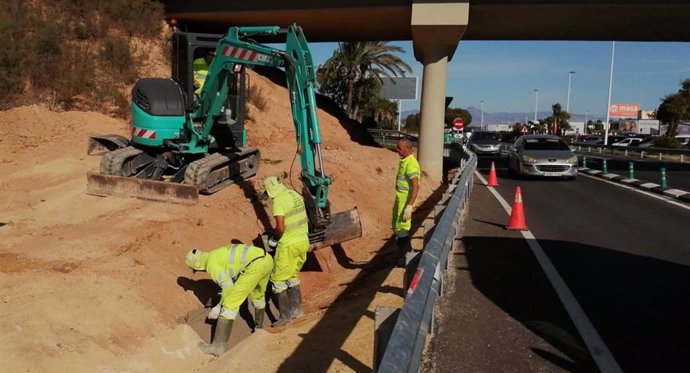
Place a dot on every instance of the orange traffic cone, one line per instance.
(493, 181)
(517, 216)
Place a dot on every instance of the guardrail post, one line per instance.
(384, 321)
(604, 167)
(625, 152)
(660, 156)
(663, 177)
(631, 170)
(641, 155)
(429, 226)
(681, 158)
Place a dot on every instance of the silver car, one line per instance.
(542, 155)
(484, 142)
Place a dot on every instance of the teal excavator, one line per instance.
(184, 143)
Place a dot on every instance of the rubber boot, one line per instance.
(220, 338)
(284, 308)
(295, 295)
(404, 246)
(259, 318)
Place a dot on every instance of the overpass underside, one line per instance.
(436, 28)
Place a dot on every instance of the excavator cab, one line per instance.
(187, 47)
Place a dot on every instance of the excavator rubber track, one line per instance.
(216, 171)
(206, 175)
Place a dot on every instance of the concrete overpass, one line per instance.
(436, 28)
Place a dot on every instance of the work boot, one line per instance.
(220, 338)
(259, 318)
(284, 308)
(295, 295)
(404, 246)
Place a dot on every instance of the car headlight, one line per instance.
(572, 159)
(529, 159)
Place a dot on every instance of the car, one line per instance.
(542, 155)
(592, 139)
(630, 141)
(484, 142)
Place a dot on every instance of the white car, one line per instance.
(630, 141)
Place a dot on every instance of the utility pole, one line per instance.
(567, 104)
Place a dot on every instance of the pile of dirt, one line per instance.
(90, 283)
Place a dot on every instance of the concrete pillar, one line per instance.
(433, 105)
(436, 31)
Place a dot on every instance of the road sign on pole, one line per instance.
(458, 123)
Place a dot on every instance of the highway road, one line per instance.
(624, 256)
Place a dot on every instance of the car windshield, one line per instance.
(484, 136)
(545, 144)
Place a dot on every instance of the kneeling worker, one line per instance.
(240, 270)
(291, 242)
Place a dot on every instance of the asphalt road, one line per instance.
(625, 257)
(677, 174)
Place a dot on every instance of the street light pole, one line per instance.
(608, 105)
(482, 122)
(536, 102)
(570, 78)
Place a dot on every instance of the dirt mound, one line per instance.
(90, 283)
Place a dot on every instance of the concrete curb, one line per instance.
(678, 194)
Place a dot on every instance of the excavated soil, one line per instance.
(99, 284)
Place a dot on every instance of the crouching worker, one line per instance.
(241, 271)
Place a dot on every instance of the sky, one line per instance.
(504, 74)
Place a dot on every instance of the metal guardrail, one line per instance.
(680, 155)
(388, 138)
(403, 352)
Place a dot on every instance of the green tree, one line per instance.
(675, 107)
(355, 62)
(558, 121)
(452, 113)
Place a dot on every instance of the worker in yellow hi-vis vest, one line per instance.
(406, 190)
(241, 271)
(201, 66)
(290, 239)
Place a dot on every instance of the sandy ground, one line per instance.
(93, 284)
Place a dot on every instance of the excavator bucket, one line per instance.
(344, 226)
(104, 143)
(107, 185)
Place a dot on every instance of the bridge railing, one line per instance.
(403, 350)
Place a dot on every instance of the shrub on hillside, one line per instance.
(64, 52)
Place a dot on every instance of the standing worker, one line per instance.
(291, 242)
(201, 66)
(240, 270)
(406, 190)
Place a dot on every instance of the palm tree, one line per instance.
(357, 61)
(675, 107)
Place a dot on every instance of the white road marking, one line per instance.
(599, 351)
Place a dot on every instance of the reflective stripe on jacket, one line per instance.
(226, 263)
(408, 168)
(290, 205)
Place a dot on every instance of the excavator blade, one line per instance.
(344, 226)
(108, 185)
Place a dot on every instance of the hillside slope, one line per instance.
(96, 284)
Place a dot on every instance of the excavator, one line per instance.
(185, 143)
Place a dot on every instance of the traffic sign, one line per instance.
(458, 123)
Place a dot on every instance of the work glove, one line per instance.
(214, 312)
(407, 213)
(272, 243)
